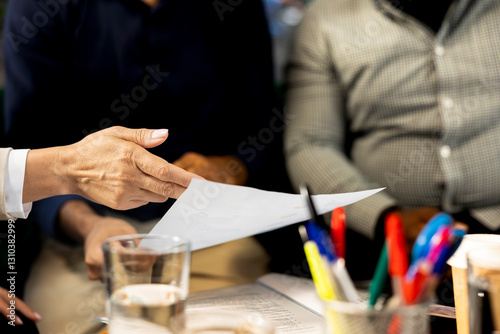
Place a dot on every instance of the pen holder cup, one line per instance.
(352, 318)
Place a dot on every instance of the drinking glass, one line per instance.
(147, 282)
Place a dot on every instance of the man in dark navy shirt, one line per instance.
(202, 69)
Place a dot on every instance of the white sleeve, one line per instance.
(14, 182)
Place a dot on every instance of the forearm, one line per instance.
(327, 170)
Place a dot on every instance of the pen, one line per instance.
(337, 230)
(379, 279)
(319, 271)
(343, 285)
(396, 253)
(319, 235)
(442, 244)
(347, 288)
(457, 237)
(424, 273)
(415, 280)
(422, 243)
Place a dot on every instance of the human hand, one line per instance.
(113, 167)
(9, 302)
(414, 220)
(225, 169)
(102, 228)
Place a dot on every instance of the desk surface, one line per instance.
(290, 306)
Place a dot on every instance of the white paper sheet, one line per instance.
(210, 213)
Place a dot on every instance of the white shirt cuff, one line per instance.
(14, 182)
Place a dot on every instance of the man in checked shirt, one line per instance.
(403, 95)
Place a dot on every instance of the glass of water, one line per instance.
(147, 282)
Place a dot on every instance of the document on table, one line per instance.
(288, 316)
(290, 302)
(210, 213)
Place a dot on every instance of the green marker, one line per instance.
(380, 276)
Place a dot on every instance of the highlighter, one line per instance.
(320, 271)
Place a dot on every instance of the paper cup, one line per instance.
(458, 263)
(483, 274)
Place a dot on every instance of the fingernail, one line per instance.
(19, 321)
(38, 317)
(159, 133)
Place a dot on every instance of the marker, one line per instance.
(396, 251)
(440, 245)
(424, 273)
(337, 230)
(440, 251)
(415, 280)
(380, 277)
(343, 284)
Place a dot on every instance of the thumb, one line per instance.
(143, 137)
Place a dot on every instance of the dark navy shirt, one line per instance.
(202, 69)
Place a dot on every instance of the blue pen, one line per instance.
(322, 239)
(317, 231)
(422, 243)
(454, 238)
(425, 272)
(343, 284)
(457, 236)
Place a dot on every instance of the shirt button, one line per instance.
(439, 50)
(447, 103)
(445, 151)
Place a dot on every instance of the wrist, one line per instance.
(76, 219)
(42, 176)
(62, 167)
